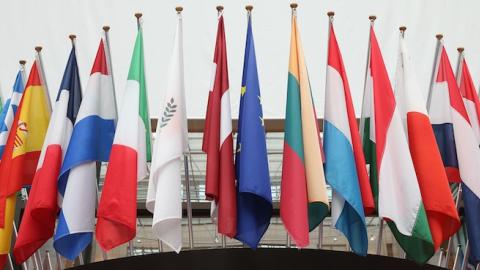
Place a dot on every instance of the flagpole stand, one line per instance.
(440, 258)
(466, 253)
(289, 241)
(130, 248)
(160, 246)
(49, 260)
(189, 201)
(380, 237)
(320, 236)
(59, 262)
(456, 257)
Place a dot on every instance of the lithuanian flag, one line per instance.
(304, 201)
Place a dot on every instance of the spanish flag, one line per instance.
(22, 151)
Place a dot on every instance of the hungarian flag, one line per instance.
(131, 150)
(91, 142)
(446, 101)
(218, 141)
(304, 201)
(437, 198)
(254, 196)
(6, 119)
(399, 197)
(38, 221)
(24, 143)
(164, 198)
(345, 167)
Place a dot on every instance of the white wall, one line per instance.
(27, 23)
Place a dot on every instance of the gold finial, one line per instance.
(106, 28)
(249, 8)
(330, 14)
(38, 49)
(179, 9)
(22, 62)
(293, 5)
(439, 36)
(460, 49)
(372, 18)
(402, 28)
(219, 8)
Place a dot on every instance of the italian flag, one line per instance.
(131, 150)
(394, 181)
(304, 201)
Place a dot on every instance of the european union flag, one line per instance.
(254, 197)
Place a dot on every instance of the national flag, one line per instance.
(131, 150)
(447, 108)
(10, 108)
(24, 143)
(91, 142)
(469, 94)
(38, 221)
(345, 167)
(6, 119)
(164, 198)
(254, 196)
(442, 127)
(218, 141)
(399, 197)
(303, 201)
(437, 198)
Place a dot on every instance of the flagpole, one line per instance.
(457, 202)
(466, 253)
(372, 19)
(434, 69)
(380, 236)
(458, 74)
(49, 260)
(456, 257)
(43, 79)
(106, 30)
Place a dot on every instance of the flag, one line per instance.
(345, 167)
(91, 142)
(24, 144)
(164, 198)
(9, 110)
(437, 198)
(218, 141)
(303, 201)
(447, 109)
(38, 222)
(6, 119)
(254, 196)
(469, 95)
(399, 197)
(131, 150)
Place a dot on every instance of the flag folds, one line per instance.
(131, 150)
(254, 197)
(218, 141)
(447, 107)
(164, 187)
(24, 143)
(91, 142)
(6, 120)
(303, 202)
(399, 197)
(345, 167)
(39, 219)
(440, 208)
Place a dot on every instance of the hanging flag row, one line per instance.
(398, 162)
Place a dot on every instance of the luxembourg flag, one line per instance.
(131, 150)
(345, 167)
(90, 143)
(8, 111)
(465, 127)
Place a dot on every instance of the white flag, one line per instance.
(164, 188)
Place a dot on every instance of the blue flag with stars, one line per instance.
(254, 197)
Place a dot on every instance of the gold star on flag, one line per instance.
(243, 90)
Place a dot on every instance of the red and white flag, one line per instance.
(218, 142)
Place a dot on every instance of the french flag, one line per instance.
(38, 222)
(471, 192)
(90, 143)
(447, 111)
